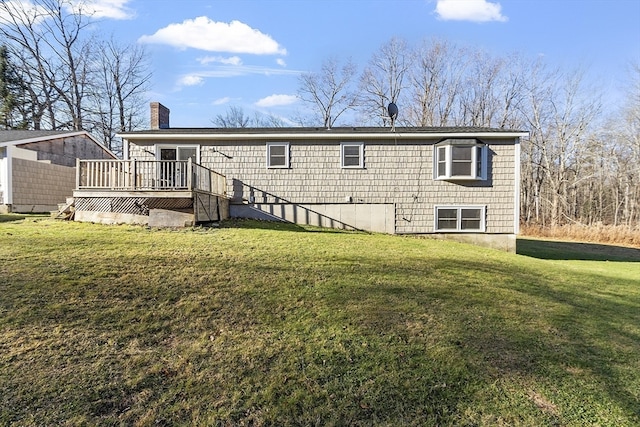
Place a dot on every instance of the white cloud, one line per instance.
(204, 34)
(27, 11)
(276, 100)
(281, 62)
(469, 10)
(223, 71)
(23, 11)
(113, 9)
(232, 60)
(222, 101)
(190, 80)
(242, 70)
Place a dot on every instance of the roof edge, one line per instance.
(69, 134)
(318, 136)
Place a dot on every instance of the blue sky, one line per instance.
(208, 55)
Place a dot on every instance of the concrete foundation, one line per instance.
(110, 218)
(369, 217)
(169, 218)
(503, 242)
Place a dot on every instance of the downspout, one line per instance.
(125, 149)
(516, 188)
(7, 179)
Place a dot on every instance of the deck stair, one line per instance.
(65, 210)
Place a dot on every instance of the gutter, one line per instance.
(315, 136)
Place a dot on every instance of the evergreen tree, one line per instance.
(12, 91)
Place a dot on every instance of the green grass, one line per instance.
(265, 324)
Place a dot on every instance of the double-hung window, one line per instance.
(278, 155)
(460, 218)
(460, 159)
(352, 155)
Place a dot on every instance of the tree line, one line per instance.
(579, 164)
(57, 73)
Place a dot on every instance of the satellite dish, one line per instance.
(392, 109)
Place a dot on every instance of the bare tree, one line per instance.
(383, 80)
(73, 79)
(560, 115)
(622, 137)
(329, 92)
(122, 77)
(20, 26)
(235, 117)
(479, 101)
(437, 78)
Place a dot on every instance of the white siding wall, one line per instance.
(3, 177)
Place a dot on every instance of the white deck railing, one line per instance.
(147, 175)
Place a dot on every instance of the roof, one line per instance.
(26, 136)
(320, 133)
(18, 137)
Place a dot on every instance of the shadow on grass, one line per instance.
(566, 334)
(19, 217)
(11, 217)
(560, 250)
(256, 224)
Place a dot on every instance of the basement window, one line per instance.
(460, 218)
(278, 155)
(460, 159)
(352, 155)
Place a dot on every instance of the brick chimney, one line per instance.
(159, 116)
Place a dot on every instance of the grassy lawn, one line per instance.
(257, 324)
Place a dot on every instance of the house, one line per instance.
(459, 183)
(37, 168)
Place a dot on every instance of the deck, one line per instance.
(130, 190)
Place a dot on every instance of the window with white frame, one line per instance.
(278, 155)
(352, 155)
(460, 218)
(460, 159)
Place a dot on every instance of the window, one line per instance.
(352, 155)
(278, 155)
(463, 159)
(460, 218)
(181, 153)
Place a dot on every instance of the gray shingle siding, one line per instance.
(395, 172)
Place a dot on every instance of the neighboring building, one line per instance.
(37, 168)
(459, 183)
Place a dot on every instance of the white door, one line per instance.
(173, 169)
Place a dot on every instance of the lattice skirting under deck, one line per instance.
(129, 205)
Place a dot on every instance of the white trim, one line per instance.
(125, 149)
(158, 147)
(6, 176)
(286, 155)
(333, 134)
(516, 188)
(448, 150)
(360, 146)
(458, 229)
